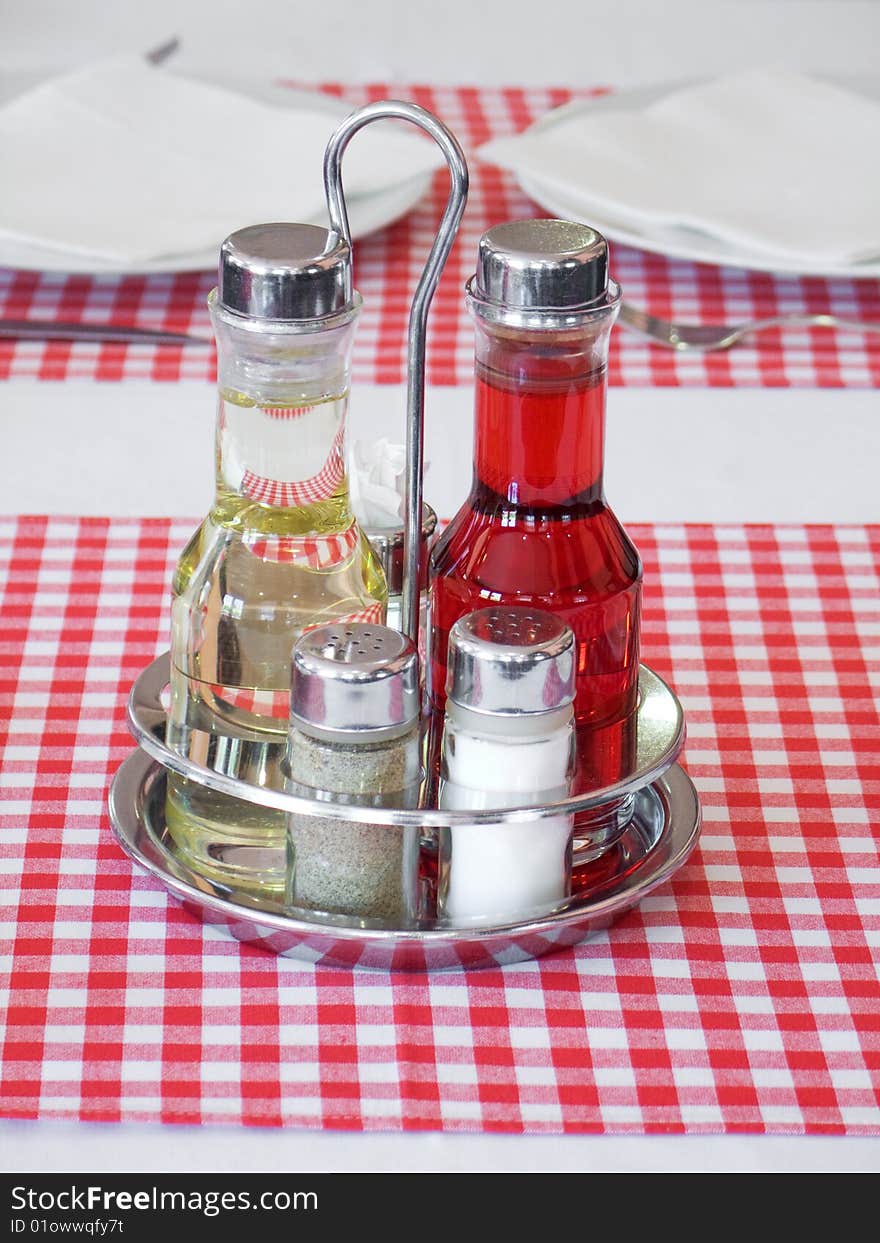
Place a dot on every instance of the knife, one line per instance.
(55, 330)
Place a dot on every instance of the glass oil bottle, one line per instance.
(536, 528)
(279, 552)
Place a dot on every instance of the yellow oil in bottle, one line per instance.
(255, 575)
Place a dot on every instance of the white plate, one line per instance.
(674, 242)
(367, 213)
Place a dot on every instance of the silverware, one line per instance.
(706, 337)
(161, 53)
(56, 330)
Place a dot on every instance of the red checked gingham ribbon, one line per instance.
(314, 552)
(277, 703)
(317, 487)
(286, 412)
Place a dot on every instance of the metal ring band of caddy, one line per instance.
(660, 734)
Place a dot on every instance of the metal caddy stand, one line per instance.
(649, 846)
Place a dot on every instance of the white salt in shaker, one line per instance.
(354, 738)
(508, 740)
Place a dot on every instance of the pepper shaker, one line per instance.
(354, 738)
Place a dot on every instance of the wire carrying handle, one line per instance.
(418, 316)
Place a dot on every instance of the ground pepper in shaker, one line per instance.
(354, 738)
(508, 741)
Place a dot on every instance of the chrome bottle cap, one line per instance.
(542, 265)
(388, 545)
(354, 682)
(285, 272)
(510, 660)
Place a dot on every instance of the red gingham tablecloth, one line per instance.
(388, 265)
(742, 996)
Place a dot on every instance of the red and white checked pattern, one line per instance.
(286, 412)
(317, 487)
(261, 703)
(322, 552)
(277, 703)
(742, 996)
(389, 262)
(372, 615)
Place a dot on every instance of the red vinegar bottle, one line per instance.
(536, 528)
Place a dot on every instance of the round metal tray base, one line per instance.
(658, 840)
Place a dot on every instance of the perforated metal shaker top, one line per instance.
(511, 660)
(354, 681)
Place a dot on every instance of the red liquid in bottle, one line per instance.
(536, 530)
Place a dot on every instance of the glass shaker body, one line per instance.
(536, 528)
(279, 551)
(508, 741)
(358, 869)
(494, 873)
(355, 740)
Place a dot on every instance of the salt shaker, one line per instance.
(354, 739)
(508, 740)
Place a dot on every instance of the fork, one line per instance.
(706, 337)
